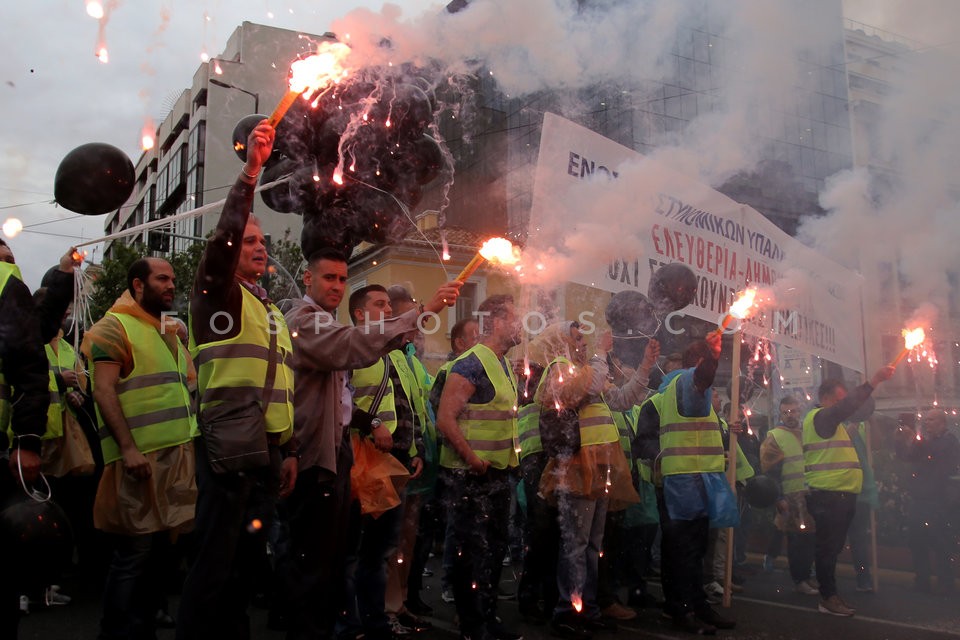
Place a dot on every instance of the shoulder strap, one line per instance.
(271, 361)
(377, 399)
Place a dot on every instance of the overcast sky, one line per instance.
(56, 95)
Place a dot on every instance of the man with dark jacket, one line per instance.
(24, 393)
(933, 454)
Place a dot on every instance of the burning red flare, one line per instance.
(497, 251)
(577, 602)
(313, 74)
(912, 339)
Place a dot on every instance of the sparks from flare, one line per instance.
(313, 75)
(496, 251)
(577, 602)
(911, 340)
(740, 308)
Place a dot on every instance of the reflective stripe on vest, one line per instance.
(7, 271)
(528, 427)
(236, 368)
(622, 420)
(831, 465)
(154, 397)
(413, 391)
(490, 429)
(688, 445)
(792, 475)
(366, 385)
(744, 468)
(63, 359)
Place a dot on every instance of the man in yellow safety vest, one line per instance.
(242, 347)
(148, 486)
(478, 421)
(833, 474)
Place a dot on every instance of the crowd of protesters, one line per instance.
(327, 442)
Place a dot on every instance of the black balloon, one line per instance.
(632, 320)
(761, 491)
(242, 131)
(39, 534)
(672, 287)
(94, 179)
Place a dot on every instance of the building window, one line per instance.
(467, 301)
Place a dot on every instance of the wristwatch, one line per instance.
(376, 422)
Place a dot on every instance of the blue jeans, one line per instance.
(582, 522)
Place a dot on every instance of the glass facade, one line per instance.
(803, 141)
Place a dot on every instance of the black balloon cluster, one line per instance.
(634, 318)
(351, 155)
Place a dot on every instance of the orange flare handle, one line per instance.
(472, 266)
(900, 356)
(285, 103)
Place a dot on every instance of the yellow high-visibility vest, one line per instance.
(491, 428)
(234, 368)
(792, 475)
(7, 271)
(154, 396)
(688, 445)
(830, 465)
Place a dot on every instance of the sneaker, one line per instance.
(52, 596)
(411, 621)
(398, 629)
(506, 560)
(711, 618)
(804, 587)
(835, 607)
(164, 620)
(714, 591)
(847, 604)
(619, 612)
(447, 596)
(25, 605)
(691, 624)
(427, 572)
(813, 582)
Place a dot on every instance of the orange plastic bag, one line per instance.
(376, 478)
(69, 454)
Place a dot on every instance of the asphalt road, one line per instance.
(768, 609)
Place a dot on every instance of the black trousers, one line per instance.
(929, 534)
(832, 511)
(311, 570)
(541, 540)
(801, 551)
(234, 514)
(480, 513)
(683, 546)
